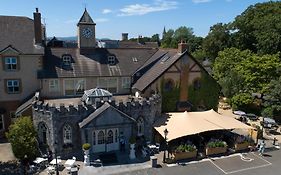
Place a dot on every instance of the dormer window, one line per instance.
(111, 60)
(66, 59)
(11, 63)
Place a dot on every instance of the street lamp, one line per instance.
(57, 170)
(165, 138)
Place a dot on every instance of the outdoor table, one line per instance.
(153, 149)
(53, 162)
(69, 162)
(38, 160)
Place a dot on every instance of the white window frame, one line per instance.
(111, 60)
(126, 82)
(10, 62)
(13, 84)
(66, 59)
(75, 87)
(67, 134)
(53, 85)
(101, 138)
(107, 86)
(2, 122)
(140, 125)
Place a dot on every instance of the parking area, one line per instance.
(236, 164)
(240, 163)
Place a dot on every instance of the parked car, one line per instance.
(251, 116)
(239, 112)
(269, 123)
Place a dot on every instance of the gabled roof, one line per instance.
(99, 111)
(86, 18)
(163, 64)
(19, 32)
(94, 62)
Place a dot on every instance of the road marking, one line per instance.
(262, 158)
(244, 169)
(218, 167)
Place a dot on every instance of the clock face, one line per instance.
(87, 32)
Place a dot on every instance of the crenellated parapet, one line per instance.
(129, 106)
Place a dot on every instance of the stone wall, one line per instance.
(55, 117)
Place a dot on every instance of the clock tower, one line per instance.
(86, 31)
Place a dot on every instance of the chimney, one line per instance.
(182, 47)
(140, 40)
(124, 36)
(37, 27)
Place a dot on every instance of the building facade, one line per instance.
(21, 56)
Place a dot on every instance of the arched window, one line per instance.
(110, 137)
(101, 137)
(94, 138)
(196, 84)
(116, 135)
(67, 134)
(169, 85)
(42, 132)
(140, 125)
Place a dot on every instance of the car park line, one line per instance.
(244, 169)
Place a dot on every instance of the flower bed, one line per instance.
(241, 146)
(216, 150)
(216, 147)
(184, 155)
(184, 152)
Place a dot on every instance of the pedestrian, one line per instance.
(261, 148)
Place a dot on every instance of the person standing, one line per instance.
(262, 148)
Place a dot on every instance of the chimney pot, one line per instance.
(37, 10)
(124, 36)
(182, 47)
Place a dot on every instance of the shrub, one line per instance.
(132, 140)
(86, 146)
(185, 148)
(216, 143)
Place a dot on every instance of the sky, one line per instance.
(114, 17)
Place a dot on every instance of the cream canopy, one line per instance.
(181, 124)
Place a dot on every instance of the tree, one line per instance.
(182, 34)
(254, 72)
(258, 28)
(272, 102)
(155, 38)
(167, 39)
(217, 39)
(22, 137)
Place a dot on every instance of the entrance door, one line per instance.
(105, 140)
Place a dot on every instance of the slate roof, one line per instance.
(99, 111)
(163, 63)
(86, 18)
(93, 62)
(19, 33)
(135, 44)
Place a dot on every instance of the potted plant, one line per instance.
(132, 142)
(86, 147)
(216, 147)
(241, 143)
(185, 151)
